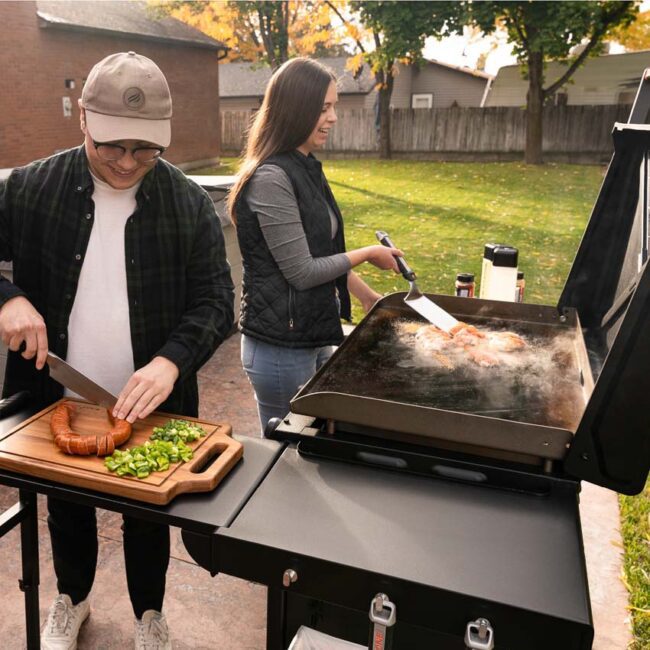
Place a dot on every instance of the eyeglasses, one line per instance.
(112, 152)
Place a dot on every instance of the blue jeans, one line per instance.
(277, 373)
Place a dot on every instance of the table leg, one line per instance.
(276, 604)
(31, 578)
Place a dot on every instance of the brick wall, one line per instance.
(36, 62)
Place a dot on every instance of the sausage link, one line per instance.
(72, 443)
(120, 429)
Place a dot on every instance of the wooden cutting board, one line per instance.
(29, 449)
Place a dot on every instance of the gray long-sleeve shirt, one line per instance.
(271, 196)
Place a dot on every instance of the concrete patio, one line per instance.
(230, 614)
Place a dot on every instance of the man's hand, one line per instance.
(147, 388)
(21, 323)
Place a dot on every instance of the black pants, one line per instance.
(73, 531)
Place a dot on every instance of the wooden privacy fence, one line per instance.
(570, 132)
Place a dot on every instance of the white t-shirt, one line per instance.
(99, 333)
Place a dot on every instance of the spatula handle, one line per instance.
(405, 269)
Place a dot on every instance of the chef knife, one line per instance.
(415, 298)
(65, 374)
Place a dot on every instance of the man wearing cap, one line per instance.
(120, 268)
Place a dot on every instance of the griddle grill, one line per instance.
(527, 411)
(417, 523)
(587, 421)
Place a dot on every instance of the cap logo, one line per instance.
(133, 98)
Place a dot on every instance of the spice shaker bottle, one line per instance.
(488, 256)
(503, 274)
(521, 286)
(465, 285)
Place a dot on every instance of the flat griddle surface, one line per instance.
(539, 386)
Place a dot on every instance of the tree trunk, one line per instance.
(534, 109)
(385, 82)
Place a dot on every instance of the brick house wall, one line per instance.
(36, 61)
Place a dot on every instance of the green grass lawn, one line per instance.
(442, 214)
(635, 526)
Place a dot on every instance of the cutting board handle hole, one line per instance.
(205, 465)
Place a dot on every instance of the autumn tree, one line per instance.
(397, 32)
(636, 36)
(542, 31)
(267, 32)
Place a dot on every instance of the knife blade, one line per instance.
(71, 378)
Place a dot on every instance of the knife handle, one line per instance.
(405, 269)
(14, 403)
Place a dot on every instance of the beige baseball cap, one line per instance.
(126, 97)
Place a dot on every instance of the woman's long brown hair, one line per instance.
(292, 104)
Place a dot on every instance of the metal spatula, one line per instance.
(415, 298)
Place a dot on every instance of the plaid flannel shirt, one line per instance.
(178, 279)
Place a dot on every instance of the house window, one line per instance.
(67, 106)
(422, 100)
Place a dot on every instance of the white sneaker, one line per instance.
(63, 622)
(151, 632)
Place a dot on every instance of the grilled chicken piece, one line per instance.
(505, 341)
(429, 337)
(465, 334)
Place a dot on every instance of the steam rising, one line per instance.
(539, 383)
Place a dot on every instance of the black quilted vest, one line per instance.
(271, 309)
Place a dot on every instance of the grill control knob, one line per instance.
(288, 577)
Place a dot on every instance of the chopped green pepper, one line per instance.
(178, 430)
(153, 456)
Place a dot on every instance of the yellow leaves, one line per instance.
(308, 43)
(353, 31)
(355, 62)
(217, 19)
(636, 36)
(318, 14)
(237, 26)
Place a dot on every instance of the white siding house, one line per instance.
(607, 79)
(438, 85)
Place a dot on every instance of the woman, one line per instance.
(297, 274)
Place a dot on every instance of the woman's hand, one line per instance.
(383, 257)
(147, 388)
(368, 300)
(380, 256)
(21, 323)
(360, 290)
